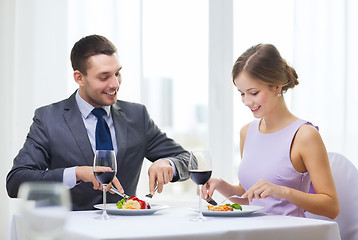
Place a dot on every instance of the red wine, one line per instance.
(104, 177)
(200, 177)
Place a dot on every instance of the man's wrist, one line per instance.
(69, 177)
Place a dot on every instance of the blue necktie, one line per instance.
(103, 135)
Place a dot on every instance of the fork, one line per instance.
(113, 189)
(151, 195)
(233, 196)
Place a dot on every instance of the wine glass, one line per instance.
(104, 169)
(44, 208)
(200, 169)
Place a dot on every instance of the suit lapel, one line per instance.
(120, 126)
(74, 121)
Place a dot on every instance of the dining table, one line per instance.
(174, 222)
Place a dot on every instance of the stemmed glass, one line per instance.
(104, 169)
(200, 169)
(44, 208)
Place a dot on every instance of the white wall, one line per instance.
(33, 34)
(220, 87)
(6, 89)
(325, 51)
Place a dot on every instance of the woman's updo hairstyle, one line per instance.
(264, 63)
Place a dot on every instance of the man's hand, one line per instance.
(117, 184)
(85, 174)
(160, 173)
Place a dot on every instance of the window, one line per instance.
(260, 21)
(175, 71)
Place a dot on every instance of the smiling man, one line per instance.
(61, 142)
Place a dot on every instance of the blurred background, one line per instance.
(177, 57)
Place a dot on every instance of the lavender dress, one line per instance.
(267, 157)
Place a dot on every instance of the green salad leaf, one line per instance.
(235, 206)
(120, 203)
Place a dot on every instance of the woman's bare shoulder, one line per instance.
(307, 132)
(309, 141)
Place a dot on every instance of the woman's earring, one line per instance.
(279, 94)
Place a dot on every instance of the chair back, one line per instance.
(345, 176)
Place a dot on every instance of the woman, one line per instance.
(281, 154)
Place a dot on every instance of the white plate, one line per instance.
(112, 209)
(246, 210)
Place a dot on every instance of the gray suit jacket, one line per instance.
(58, 139)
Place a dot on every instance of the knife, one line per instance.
(211, 201)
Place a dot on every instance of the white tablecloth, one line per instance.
(174, 223)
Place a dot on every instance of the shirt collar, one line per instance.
(86, 108)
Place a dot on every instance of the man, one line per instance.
(61, 142)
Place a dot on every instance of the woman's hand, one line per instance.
(264, 189)
(209, 187)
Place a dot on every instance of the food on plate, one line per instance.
(132, 203)
(224, 208)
